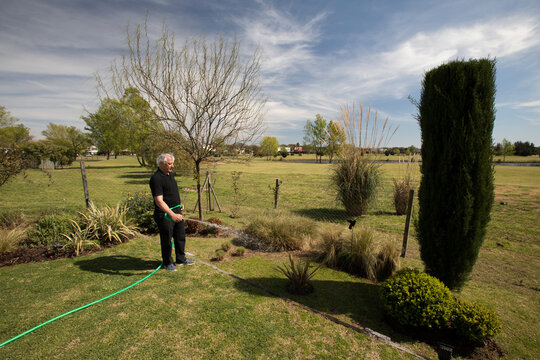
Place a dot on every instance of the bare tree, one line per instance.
(203, 91)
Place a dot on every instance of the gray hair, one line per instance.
(163, 158)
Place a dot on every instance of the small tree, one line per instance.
(316, 135)
(335, 139)
(269, 146)
(106, 127)
(199, 91)
(456, 116)
(67, 136)
(12, 136)
(506, 148)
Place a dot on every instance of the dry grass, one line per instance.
(10, 239)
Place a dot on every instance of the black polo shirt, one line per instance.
(162, 184)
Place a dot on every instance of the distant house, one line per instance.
(284, 148)
(91, 151)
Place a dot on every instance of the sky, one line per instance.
(318, 56)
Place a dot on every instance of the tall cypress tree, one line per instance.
(456, 116)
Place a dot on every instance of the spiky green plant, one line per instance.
(299, 274)
(108, 224)
(79, 238)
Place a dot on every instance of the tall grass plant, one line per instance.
(357, 175)
(10, 239)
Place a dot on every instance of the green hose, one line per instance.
(80, 308)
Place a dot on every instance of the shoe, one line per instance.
(186, 262)
(170, 267)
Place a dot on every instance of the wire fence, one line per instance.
(238, 194)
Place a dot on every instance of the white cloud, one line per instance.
(285, 41)
(396, 70)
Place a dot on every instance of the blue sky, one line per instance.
(317, 55)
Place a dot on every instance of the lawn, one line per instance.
(208, 314)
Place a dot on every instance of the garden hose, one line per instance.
(80, 308)
(174, 207)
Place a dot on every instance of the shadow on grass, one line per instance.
(324, 214)
(117, 265)
(137, 175)
(137, 178)
(92, 167)
(355, 300)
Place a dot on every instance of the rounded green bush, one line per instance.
(417, 299)
(475, 322)
(141, 210)
(49, 229)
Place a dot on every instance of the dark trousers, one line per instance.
(167, 230)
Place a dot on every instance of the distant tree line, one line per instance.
(519, 148)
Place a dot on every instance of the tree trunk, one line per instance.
(199, 195)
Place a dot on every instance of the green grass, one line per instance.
(506, 276)
(195, 312)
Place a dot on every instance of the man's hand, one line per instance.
(177, 217)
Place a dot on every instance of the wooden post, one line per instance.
(208, 182)
(276, 194)
(407, 223)
(85, 185)
(210, 188)
(200, 191)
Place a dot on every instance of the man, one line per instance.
(168, 213)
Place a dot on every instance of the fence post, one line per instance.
(208, 184)
(85, 185)
(276, 194)
(407, 223)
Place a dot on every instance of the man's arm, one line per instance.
(163, 206)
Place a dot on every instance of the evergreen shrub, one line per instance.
(456, 116)
(475, 322)
(414, 298)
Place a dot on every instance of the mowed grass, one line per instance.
(505, 276)
(195, 313)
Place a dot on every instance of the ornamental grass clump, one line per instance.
(299, 274)
(277, 231)
(356, 176)
(405, 183)
(362, 251)
(108, 225)
(10, 239)
(240, 251)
